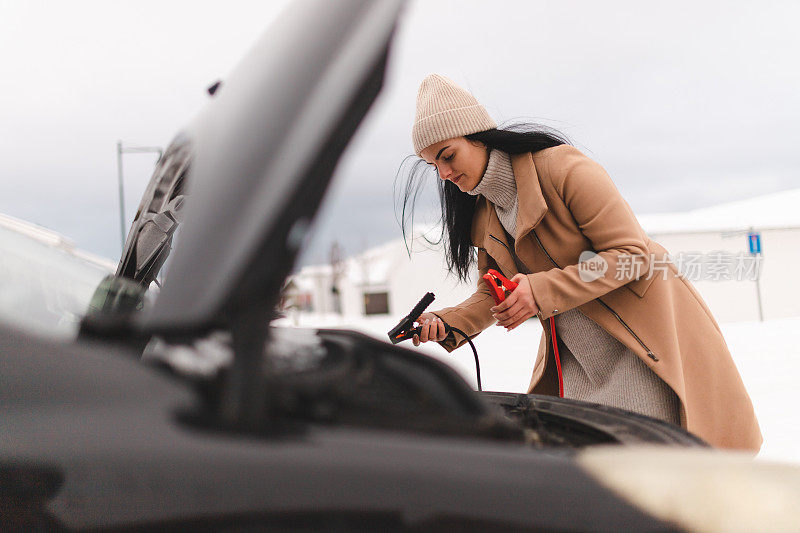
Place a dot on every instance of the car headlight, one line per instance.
(701, 489)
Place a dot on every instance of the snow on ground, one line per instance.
(767, 355)
(776, 209)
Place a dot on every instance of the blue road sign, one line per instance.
(754, 240)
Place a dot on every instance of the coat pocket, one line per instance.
(660, 266)
(639, 286)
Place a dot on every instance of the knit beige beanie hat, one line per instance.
(444, 111)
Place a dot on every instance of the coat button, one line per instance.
(555, 311)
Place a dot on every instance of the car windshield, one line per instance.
(45, 282)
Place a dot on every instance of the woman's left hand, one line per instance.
(518, 307)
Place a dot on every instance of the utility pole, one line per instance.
(337, 270)
(131, 150)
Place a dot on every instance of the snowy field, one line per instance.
(767, 354)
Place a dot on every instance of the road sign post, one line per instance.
(754, 244)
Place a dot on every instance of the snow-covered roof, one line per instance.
(374, 266)
(302, 283)
(34, 231)
(774, 210)
(53, 239)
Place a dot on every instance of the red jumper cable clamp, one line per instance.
(500, 287)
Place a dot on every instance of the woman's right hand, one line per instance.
(432, 329)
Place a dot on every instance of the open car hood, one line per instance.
(262, 155)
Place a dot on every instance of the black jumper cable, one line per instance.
(405, 330)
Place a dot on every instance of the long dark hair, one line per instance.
(458, 207)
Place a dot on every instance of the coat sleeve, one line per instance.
(606, 220)
(472, 315)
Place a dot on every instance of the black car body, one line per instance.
(290, 428)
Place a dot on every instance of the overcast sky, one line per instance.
(686, 104)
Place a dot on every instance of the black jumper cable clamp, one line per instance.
(405, 330)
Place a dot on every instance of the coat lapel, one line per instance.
(487, 228)
(532, 205)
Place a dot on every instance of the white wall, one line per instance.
(424, 272)
(390, 269)
(732, 301)
(780, 288)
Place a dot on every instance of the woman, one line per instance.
(620, 326)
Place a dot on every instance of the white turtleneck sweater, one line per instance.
(499, 187)
(595, 366)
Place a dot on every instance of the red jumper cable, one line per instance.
(500, 287)
(557, 357)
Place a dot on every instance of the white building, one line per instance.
(710, 245)
(381, 280)
(725, 227)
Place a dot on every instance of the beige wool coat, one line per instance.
(568, 205)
